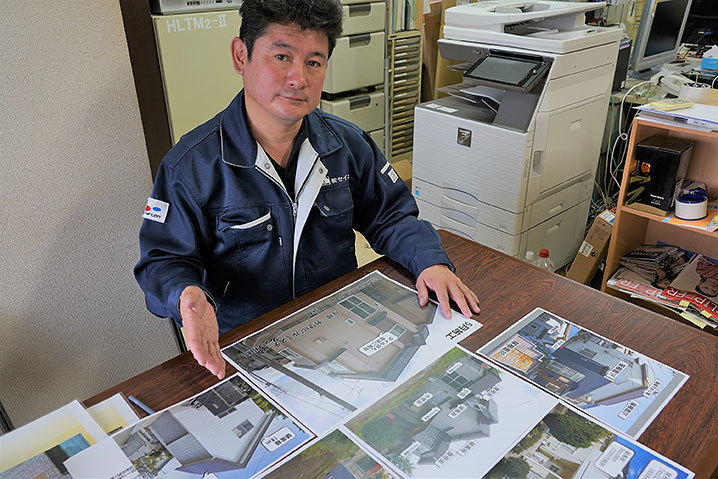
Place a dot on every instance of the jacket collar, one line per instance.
(238, 147)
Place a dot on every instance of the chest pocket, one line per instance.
(336, 202)
(252, 229)
(329, 231)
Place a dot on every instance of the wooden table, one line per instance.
(685, 431)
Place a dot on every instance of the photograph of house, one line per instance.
(566, 445)
(228, 429)
(333, 457)
(452, 418)
(49, 464)
(611, 382)
(347, 350)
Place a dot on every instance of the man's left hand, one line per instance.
(446, 284)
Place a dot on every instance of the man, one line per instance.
(708, 284)
(256, 206)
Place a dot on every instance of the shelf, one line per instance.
(693, 132)
(652, 217)
(633, 228)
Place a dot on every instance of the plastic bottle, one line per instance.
(543, 261)
(529, 258)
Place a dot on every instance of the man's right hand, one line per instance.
(201, 330)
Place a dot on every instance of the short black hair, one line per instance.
(324, 16)
(700, 290)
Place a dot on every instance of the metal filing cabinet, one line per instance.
(404, 93)
(353, 86)
(197, 72)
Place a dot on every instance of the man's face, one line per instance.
(283, 80)
(709, 287)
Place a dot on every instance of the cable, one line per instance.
(624, 137)
(621, 136)
(620, 116)
(610, 142)
(714, 81)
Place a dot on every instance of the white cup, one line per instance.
(691, 206)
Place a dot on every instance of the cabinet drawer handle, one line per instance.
(359, 9)
(556, 209)
(359, 40)
(359, 102)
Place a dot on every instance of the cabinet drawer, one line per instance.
(465, 225)
(558, 202)
(363, 17)
(561, 235)
(365, 110)
(357, 62)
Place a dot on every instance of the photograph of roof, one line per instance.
(333, 457)
(453, 419)
(230, 428)
(615, 384)
(567, 445)
(345, 351)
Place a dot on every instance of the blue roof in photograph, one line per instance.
(339, 472)
(592, 370)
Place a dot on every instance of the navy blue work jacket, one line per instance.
(231, 228)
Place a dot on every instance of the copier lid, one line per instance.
(542, 25)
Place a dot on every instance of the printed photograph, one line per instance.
(614, 384)
(454, 419)
(230, 430)
(334, 457)
(48, 464)
(347, 350)
(39, 448)
(568, 446)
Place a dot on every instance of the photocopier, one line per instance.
(508, 160)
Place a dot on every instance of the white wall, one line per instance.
(74, 176)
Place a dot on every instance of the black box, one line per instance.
(624, 54)
(661, 165)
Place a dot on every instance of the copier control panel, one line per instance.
(504, 69)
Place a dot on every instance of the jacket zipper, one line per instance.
(294, 213)
(294, 219)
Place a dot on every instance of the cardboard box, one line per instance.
(593, 249)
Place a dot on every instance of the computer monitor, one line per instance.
(659, 34)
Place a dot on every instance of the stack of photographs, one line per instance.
(367, 384)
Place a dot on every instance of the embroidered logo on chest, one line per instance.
(334, 181)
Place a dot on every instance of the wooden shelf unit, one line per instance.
(632, 228)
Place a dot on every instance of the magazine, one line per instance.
(629, 281)
(658, 264)
(696, 285)
(632, 283)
